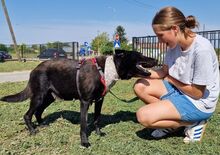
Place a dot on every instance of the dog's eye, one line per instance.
(120, 54)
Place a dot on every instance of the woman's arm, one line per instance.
(194, 91)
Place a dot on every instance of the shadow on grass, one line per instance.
(74, 118)
(121, 116)
(146, 134)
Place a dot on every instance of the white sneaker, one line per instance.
(159, 133)
(194, 133)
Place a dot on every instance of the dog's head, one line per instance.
(132, 64)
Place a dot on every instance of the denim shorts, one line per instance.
(187, 110)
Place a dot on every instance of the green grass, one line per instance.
(123, 134)
(10, 66)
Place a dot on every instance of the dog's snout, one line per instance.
(150, 62)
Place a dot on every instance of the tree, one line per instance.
(122, 35)
(3, 48)
(57, 45)
(107, 48)
(11, 29)
(101, 43)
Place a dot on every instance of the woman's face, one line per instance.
(166, 36)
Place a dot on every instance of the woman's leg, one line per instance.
(161, 114)
(157, 113)
(149, 90)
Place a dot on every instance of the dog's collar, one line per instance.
(110, 73)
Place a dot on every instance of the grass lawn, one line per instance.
(10, 66)
(123, 134)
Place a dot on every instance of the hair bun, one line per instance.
(191, 22)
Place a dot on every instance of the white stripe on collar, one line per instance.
(111, 75)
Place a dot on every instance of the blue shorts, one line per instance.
(184, 106)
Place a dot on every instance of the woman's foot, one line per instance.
(195, 132)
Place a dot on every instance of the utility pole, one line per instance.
(11, 30)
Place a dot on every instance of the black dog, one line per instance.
(69, 79)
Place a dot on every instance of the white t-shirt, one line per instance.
(197, 65)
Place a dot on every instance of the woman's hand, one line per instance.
(159, 73)
(167, 78)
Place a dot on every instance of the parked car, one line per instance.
(5, 55)
(52, 53)
(2, 59)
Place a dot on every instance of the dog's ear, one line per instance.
(120, 53)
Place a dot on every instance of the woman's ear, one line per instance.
(175, 28)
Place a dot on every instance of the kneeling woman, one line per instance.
(184, 92)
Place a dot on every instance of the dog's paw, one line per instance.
(34, 132)
(86, 144)
(99, 132)
(102, 134)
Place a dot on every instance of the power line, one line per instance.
(141, 4)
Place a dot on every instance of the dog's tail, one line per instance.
(21, 96)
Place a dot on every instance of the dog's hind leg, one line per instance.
(98, 107)
(48, 99)
(36, 101)
(84, 106)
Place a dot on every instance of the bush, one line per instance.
(3, 48)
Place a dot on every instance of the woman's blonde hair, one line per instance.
(169, 16)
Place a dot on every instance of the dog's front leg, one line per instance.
(84, 106)
(98, 108)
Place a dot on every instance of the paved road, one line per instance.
(14, 76)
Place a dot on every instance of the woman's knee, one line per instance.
(140, 86)
(144, 118)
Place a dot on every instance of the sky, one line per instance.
(42, 21)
